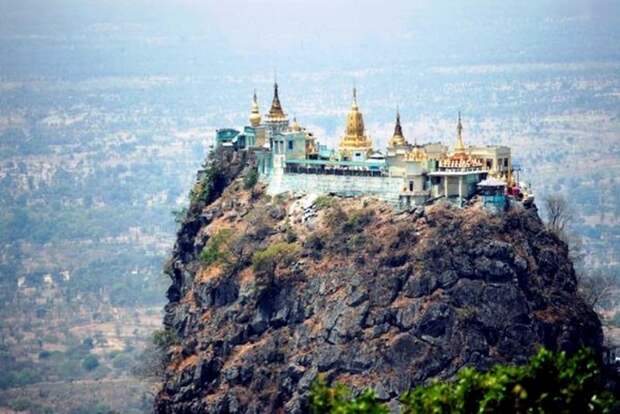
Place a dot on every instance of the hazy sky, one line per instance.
(280, 33)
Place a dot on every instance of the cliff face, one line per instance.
(290, 288)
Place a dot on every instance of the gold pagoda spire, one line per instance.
(459, 148)
(276, 112)
(354, 138)
(255, 113)
(398, 139)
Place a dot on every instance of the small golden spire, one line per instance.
(460, 146)
(295, 127)
(398, 139)
(255, 113)
(276, 108)
(354, 104)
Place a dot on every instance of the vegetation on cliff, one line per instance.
(549, 383)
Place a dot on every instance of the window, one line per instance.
(411, 185)
(290, 145)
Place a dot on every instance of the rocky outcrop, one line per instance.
(354, 290)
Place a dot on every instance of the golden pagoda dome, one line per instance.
(255, 113)
(354, 138)
(398, 138)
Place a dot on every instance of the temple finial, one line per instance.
(354, 104)
(460, 145)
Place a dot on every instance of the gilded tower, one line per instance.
(255, 113)
(459, 148)
(398, 139)
(276, 120)
(354, 142)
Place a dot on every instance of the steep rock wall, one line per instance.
(357, 291)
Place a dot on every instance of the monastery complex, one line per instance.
(291, 159)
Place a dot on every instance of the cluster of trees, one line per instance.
(549, 383)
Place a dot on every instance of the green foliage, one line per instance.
(357, 241)
(210, 184)
(218, 248)
(289, 232)
(165, 338)
(90, 362)
(24, 404)
(250, 179)
(122, 361)
(338, 400)
(323, 202)
(357, 220)
(550, 383)
(267, 259)
(314, 242)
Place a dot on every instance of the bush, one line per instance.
(266, 260)
(335, 217)
(337, 399)
(550, 383)
(122, 361)
(218, 248)
(358, 220)
(90, 362)
(323, 202)
(210, 184)
(250, 179)
(165, 338)
(315, 244)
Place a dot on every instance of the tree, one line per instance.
(250, 179)
(90, 363)
(598, 287)
(559, 214)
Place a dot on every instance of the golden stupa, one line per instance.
(255, 113)
(398, 139)
(354, 139)
(276, 113)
